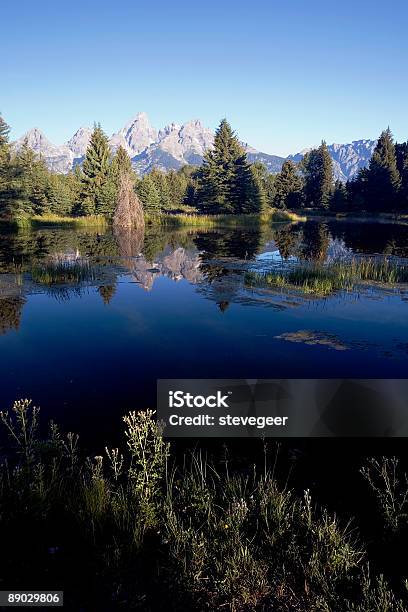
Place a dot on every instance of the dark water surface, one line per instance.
(88, 322)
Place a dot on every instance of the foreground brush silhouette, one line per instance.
(136, 527)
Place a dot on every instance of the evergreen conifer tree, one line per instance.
(121, 163)
(217, 173)
(148, 193)
(288, 187)
(267, 181)
(357, 191)
(318, 170)
(177, 183)
(34, 181)
(227, 183)
(12, 202)
(383, 178)
(95, 174)
(247, 193)
(161, 183)
(60, 193)
(338, 200)
(108, 192)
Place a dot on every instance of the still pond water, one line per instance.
(88, 322)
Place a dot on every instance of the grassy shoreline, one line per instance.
(173, 220)
(195, 220)
(209, 221)
(38, 221)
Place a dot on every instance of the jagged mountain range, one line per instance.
(176, 145)
(347, 158)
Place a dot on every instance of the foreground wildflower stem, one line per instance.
(23, 429)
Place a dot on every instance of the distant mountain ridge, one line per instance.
(348, 159)
(175, 146)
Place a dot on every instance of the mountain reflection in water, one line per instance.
(97, 318)
(214, 260)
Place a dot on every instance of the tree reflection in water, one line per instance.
(10, 313)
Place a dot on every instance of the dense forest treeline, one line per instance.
(226, 183)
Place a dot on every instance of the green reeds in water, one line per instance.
(196, 220)
(97, 221)
(324, 279)
(62, 270)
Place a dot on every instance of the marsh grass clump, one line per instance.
(378, 270)
(206, 221)
(134, 527)
(93, 221)
(324, 279)
(212, 221)
(60, 270)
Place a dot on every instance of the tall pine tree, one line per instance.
(317, 166)
(267, 182)
(161, 183)
(247, 193)
(148, 193)
(7, 193)
(15, 196)
(35, 181)
(121, 163)
(339, 201)
(383, 178)
(227, 183)
(95, 174)
(288, 187)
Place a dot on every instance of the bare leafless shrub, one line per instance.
(129, 210)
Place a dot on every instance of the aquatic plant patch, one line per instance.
(62, 270)
(324, 279)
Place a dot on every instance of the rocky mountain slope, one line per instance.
(347, 158)
(57, 158)
(176, 145)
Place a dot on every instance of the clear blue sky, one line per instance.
(285, 74)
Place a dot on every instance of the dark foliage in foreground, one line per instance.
(132, 529)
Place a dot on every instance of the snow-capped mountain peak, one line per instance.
(135, 136)
(79, 142)
(57, 158)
